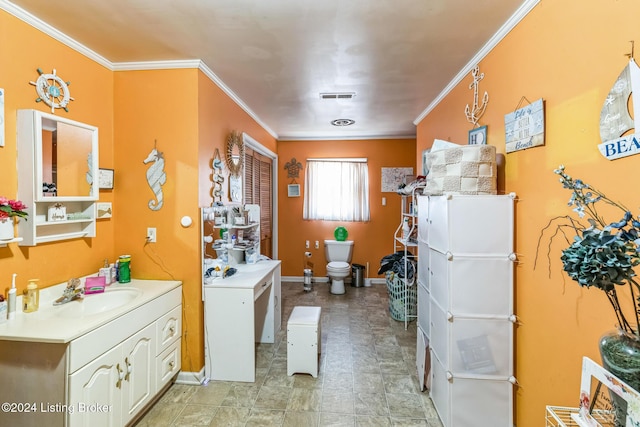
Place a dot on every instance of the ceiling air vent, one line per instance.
(342, 122)
(337, 95)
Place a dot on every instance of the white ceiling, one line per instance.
(276, 56)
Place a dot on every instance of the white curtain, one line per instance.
(336, 190)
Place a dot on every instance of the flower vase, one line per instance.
(6, 229)
(620, 354)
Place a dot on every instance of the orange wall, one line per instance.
(373, 239)
(134, 110)
(218, 116)
(569, 53)
(24, 50)
(186, 128)
(148, 116)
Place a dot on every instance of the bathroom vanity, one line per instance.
(239, 311)
(99, 360)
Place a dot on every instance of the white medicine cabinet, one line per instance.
(57, 177)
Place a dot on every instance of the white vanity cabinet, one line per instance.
(104, 376)
(119, 382)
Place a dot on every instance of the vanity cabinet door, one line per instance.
(95, 392)
(139, 382)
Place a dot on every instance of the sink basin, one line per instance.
(99, 303)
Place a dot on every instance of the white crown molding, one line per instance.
(518, 16)
(156, 65)
(39, 24)
(212, 76)
(306, 137)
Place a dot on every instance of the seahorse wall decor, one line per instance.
(156, 177)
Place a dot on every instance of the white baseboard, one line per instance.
(300, 279)
(190, 378)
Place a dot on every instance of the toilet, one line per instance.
(338, 255)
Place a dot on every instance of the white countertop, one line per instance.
(247, 276)
(49, 324)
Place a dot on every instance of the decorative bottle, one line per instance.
(406, 229)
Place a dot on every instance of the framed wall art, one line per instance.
(478, 136)
(293, 190)
(104, 210)
(105, 179)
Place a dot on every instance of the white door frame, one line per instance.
(256, 146)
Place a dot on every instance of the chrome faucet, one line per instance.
(72, 292)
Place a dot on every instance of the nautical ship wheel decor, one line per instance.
(52, 90)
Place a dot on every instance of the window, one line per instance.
(336, 190)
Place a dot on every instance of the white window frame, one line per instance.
(336, 189)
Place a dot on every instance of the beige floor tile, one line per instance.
(211, 394)
(241, 396)
(300, 419)
(305, 400)
(337, 401)
(195, 415)
(265, 418)
(405, 405)
(372, 421)
(161, 415)
(398, 383)
(371, 404)
(273, 397)
(366, 376)
(230, 417)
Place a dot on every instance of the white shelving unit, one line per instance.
(76, 168)
(212, 226)
(465, 315)
(409, 245)
(4, 243)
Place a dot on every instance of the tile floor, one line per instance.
(367, 374)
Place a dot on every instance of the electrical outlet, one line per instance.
(317, 244)
(306, 244)
(151, 234)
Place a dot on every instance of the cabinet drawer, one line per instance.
(168, 364)
(489, 230)
(168, 329)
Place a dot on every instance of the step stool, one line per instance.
(303, 340)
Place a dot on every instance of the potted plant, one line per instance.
(10, 209)
(602, 255)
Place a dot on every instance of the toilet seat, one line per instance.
(338, 265)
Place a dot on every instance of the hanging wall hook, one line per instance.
(631, 55)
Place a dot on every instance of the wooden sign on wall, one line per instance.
(524, 128)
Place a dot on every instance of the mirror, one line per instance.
(67, 154)
(235, 154)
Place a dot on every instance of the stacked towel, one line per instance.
(466, 169)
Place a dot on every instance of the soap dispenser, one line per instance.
(31, 297)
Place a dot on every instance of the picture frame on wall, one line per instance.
(104, 210)
(105, 179)
(478, 136)
(293, 190)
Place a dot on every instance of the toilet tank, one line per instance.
(335, 250)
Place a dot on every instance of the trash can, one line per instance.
(357, 275)
(308, 274)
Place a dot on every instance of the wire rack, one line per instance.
(560, 416)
